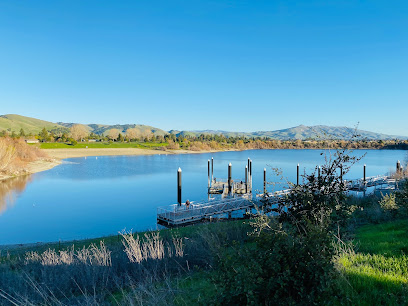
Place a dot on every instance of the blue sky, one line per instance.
(230, 65)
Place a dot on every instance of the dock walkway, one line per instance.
(178, 215)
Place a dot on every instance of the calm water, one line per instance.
(91, 197)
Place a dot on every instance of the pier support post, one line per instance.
(364, 174)
(246, 179)
(265, 182)
(212, 169)
(229, 179)
(250, 173)
(297, 175)
(398, 166)
(209, 182)
(179, 186)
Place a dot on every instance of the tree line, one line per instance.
(80, 133)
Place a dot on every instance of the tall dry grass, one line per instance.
(92, 255)
(151, 247)
(15, 153)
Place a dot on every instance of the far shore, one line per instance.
(57, 155)
(72, 153)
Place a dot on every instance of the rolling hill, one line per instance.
(30, 125)
(302, 132)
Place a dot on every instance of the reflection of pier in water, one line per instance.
(237, 196)
(10, 188)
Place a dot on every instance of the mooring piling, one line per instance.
(179, 186)
(265, 181)
(229, 179)
(398, 166)
(209, 182)
(212, 169)
(246, 179)
(364, 174)
(250, 173)
(297, 175)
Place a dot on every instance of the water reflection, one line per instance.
(10, 189)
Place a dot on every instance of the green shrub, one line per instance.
(280, 267)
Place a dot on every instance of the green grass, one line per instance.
(100, 145)
(378, 272)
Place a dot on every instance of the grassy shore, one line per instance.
(376, 272)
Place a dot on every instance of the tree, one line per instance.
(22, 133)
(79, 132)
(113, 134)
(133, 133)
(43, 135)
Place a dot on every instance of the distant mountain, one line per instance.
(302, 132)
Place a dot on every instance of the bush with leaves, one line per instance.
(284, 265)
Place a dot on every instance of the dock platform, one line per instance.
(176, 215)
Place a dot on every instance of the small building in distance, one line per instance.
(32, 141)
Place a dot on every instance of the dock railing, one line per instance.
(175, 214)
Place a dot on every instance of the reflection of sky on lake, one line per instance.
(90, 197)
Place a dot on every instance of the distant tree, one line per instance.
(43, 136)
(120, 137)
(147, 135)
(22, 133)
(113, 134)
(133, 133)
(79, 132)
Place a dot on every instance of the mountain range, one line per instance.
(32, 125)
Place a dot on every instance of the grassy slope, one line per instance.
(30, 125)
(378, 272)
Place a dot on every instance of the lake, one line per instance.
(99, 196)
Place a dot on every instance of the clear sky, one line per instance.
(230, 65)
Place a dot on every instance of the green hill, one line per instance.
(29, 125)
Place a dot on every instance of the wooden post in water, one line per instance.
(246, 179)
(297, 175)
(250, 173)
(364, 174)
(209, 183)
(265, 182)
(212, 169)
(179, 186)
(398, 166)
(229, 179)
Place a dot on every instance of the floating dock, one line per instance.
(237, 196)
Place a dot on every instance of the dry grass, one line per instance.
(15, 154)
(93, 255)
(151, 247)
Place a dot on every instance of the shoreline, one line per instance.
(74, 153)
(55, 157)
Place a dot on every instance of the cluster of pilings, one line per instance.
(230, 186)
